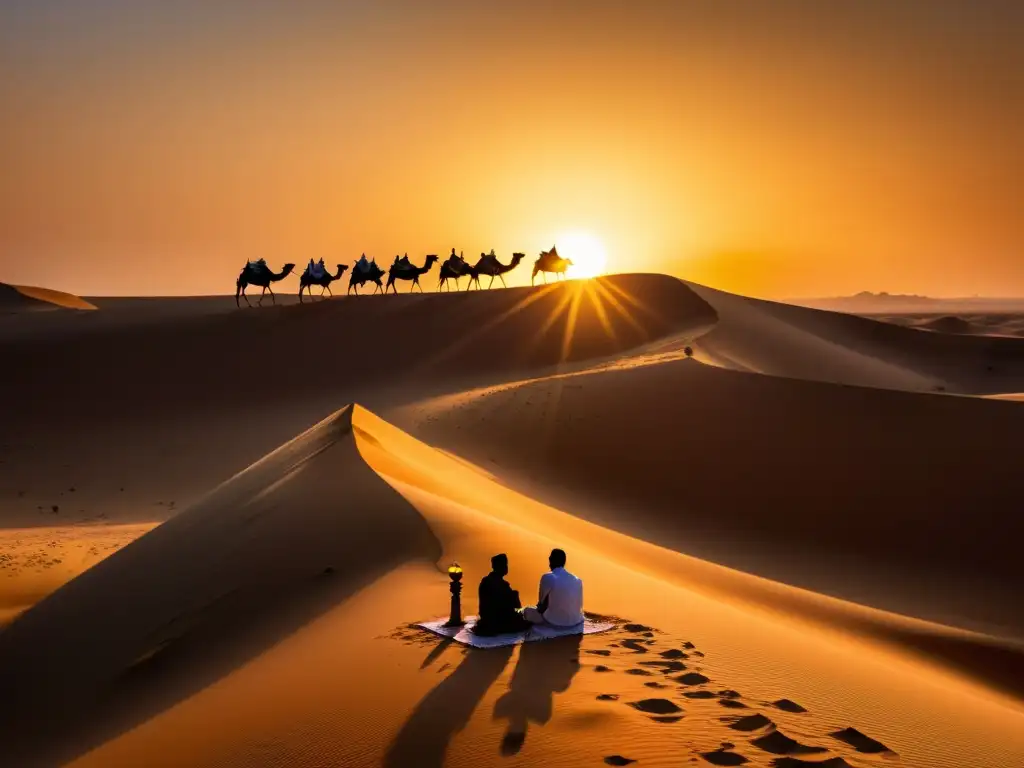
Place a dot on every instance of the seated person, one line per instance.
(362, 265)
(560, 603)
(499, 603)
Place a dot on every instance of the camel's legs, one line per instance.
(273, 298)
(490, 283)
(416, 282)
(501, 277)
(262, 294)
(327, 288)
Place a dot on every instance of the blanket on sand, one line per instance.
(465, 636)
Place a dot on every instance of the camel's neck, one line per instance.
(337, 275)
(503, 268)
(275, 276)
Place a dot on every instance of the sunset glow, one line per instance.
(587, 253)
(152, 148)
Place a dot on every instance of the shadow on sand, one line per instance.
(543, 669)
(424, 738)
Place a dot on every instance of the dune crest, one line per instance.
(30, 298)
(262, 554)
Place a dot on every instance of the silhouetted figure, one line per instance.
(560, 600)
(403, 269)
(550, 261)
(259, 274)
(499, 603)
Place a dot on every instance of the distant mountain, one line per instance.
(868, 302)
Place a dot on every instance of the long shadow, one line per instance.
(544, 669)
(423, 740)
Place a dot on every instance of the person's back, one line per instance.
(561, 595)
(498, 602)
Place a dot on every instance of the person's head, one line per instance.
(499, 564)
(556, 559)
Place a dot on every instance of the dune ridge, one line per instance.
(348, 347)
(29, 298)
(801, 342)
(276, 544)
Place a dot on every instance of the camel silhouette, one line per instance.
(258, 273)
(358, 277)
(550, 261)
(306, 282)
(405, 271)
(489, 265)
(452, 269)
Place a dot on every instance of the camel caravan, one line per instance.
(259, 274)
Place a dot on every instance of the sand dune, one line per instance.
(826, 486)
(347, 347)
(798, 342)
(231, 602)
(980, 324)
(799, 558)
(28, 298)
(202, 593)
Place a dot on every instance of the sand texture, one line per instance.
(219, 526)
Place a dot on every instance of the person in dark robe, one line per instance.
(499, 603)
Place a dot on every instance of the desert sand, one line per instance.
(218, 526)
(29, 298)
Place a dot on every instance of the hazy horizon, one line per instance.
(790, 150)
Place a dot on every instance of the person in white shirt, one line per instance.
(560, 602)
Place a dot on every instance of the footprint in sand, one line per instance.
(787, 705)
(602, 668)
(700, 695)
(692, 678)
(599, 653)
(673, 653)
(656, 706)
(638, 628)
(732, 704)
(655, 684)
(635, 671)
(724, 757)
(795, 762)
(608, 697)
(618, 760)
(667, 667)
(779, 743)
(749, 723)
(860, 741)
(634, 645)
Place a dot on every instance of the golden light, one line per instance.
(454, 572)
(586, 251)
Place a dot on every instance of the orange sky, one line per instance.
(776, 149)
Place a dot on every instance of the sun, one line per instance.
(586, 252)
